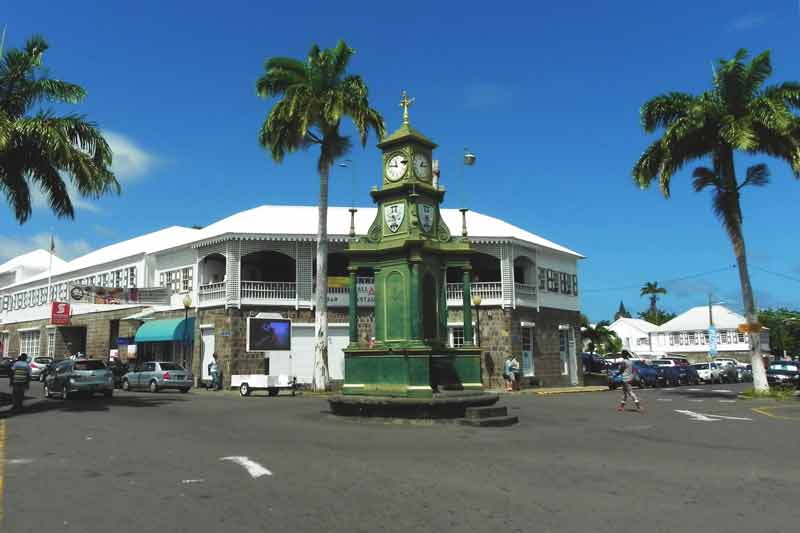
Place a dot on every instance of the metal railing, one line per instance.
(489, 292)
(273, 291)
(211, 292)
(525, 293)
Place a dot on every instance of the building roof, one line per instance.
(642, 325)
(696, 319)
(302, 221)
(144, 244)
(35, 260)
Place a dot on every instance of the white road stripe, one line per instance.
(721, 390)
(664, 399)
(19, 461)
(700, 417)
(188, 481)
(727, 401)
(698, 401)
(732, 418)
(695, 390)
(253, 468)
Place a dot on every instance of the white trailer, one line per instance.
(247, 383)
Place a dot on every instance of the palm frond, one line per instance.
(757, 72)
(726, 207)
(757, 176)
(662, 111)
(704, 177)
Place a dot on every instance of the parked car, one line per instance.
(676, 371)
(157, 375)
(49, 368)
(593, 362)
(75, 376)
(727, 371)
(118, 369)
(745, 373)
(708, 374)
(37, 365)
(5, 366)
(726, 360)
(644, 375)
(784, 374)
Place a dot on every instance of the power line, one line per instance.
(784, 276)
(665, 282)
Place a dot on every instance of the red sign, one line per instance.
(59, 314)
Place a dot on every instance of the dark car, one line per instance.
(676, 371)
(5, 366)
(593, 363)
(48, 369)
(644, 375)
(118, 369)
(783, 374)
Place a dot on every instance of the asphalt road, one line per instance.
(153, 462)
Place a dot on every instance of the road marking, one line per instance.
(664, 399)
(695, 390)
(2, 466)
(700, 417)
(766, 411)
(19, 461)
(697, 401)
(253, 468)
(727, 401)
(721, 390)
(188, 481)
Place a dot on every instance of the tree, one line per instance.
(652, 290)
(315, 96)
(738, 114)
(784, 331)
(37, 147)
(598, 336)
(657, 317)
(621, 312)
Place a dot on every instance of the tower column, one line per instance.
(379, 315)
(353, 308)
(443, 305)
(414, 301)
(468, 335)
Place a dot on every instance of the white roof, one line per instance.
(696, 319)
(35, 260)
(642, 325)
(302, 221)
(144, 244)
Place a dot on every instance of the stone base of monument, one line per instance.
(443, 405)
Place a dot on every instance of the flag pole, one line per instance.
(50, 268)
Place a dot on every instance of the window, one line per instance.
(29, 343)
(186, 279)
(458, 337)
(4, 344)
(740, 337)
(574, 284)
(674, 338)
(89, 364)
(171, 279)
(552, 283)
(117, 278)
(692, 339)
(6, 303)
(51, 342)
(542, 278)
(642, 341)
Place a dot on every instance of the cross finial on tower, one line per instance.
(405, 103)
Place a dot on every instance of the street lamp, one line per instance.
(349, 163)
(476, 301)
(469, 160)
(187, 303)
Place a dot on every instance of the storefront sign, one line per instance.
(90, 294)
(365, 293)
(59, 314)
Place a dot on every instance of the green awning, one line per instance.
(166, 330)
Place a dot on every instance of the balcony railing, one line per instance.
(525, 294)
(277, 292)
(212, 293)
(491, 293)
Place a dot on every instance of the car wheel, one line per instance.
(46, 390)
(126, 386)
(184, 390)
(273, 391)
(65, 394)
(153, 386)
(244, 389)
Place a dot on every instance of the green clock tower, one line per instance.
(409, 249)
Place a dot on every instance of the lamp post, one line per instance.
(187, 303)
(469, 160)
(349, 163)
(476, 301)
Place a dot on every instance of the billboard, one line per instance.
(90, 294)
(269, 334)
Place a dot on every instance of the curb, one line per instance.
(570, 390)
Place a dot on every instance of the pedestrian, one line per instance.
(213, 370)
(509, 374)
(19, 380)
(626, 369)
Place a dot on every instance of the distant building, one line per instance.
(687, 335)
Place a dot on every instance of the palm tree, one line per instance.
(598, 335)
(652, 289)
(738, 114)
(315, 96)
(37, 147)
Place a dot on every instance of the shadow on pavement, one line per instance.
(35, 404)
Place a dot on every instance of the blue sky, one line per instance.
(546, 94)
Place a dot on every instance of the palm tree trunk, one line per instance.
(759, 373)
(321, 305)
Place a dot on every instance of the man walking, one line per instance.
(626, 368)
(20, 378)
(213, 369)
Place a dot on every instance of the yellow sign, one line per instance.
(338, 282)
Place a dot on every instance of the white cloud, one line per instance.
(749, 22)
(104, 231)
(486, 96)
(65, 249)
(131, 162)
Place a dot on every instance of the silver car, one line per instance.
(76, 376)
(37, 365)
(157, 375)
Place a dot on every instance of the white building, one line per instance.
(687, 334)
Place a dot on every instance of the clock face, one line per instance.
(422, 168)
(396, 167)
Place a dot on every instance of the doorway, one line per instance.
(527, 335)
(207, 351)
